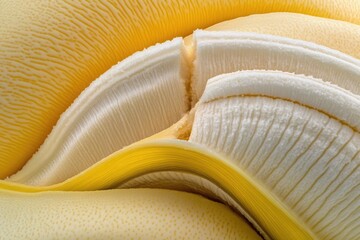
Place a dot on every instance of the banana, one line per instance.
(339, 35)
(182, 156)
(52, 50)
(119, 108)
(288, 145)
(114, 214)
(279, 145)
(295, 135)
(224, 52)
(123, 105)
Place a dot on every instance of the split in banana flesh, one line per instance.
(107, 116)
(51, 51)
(128, 213)
(121, 107)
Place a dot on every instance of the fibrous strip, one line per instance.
(136, 98)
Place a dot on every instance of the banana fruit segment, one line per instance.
(224, 52)
(106, 116)
(297, 136)
(125, 214)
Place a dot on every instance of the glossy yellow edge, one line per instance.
(178, 155)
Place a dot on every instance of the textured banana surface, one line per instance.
(299, 137)
(339, 35)
(107, 116)
(161, 155)
(224, 52)
(263, 121)
(128, 213)
(52, 50)
(296, 137)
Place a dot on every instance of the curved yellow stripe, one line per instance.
(177, 155)
(52, 50)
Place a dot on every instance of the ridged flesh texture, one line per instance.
(296, 136)
(223, 52)
(118, 214)
(136, 98)
(87, 128)
(52, 50)
(239, 116)
(123, 106)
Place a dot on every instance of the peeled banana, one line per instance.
(285, 131)
(223, 52)
(296, 135)
(261, 119)
(105, 117)
(52, 50)
(339, 35)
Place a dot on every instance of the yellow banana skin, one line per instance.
(52, 50)
(178, 155)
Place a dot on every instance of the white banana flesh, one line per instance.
(217, 53)
(297, 136)
(120, 107)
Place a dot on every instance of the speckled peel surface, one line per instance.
(116, 123)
